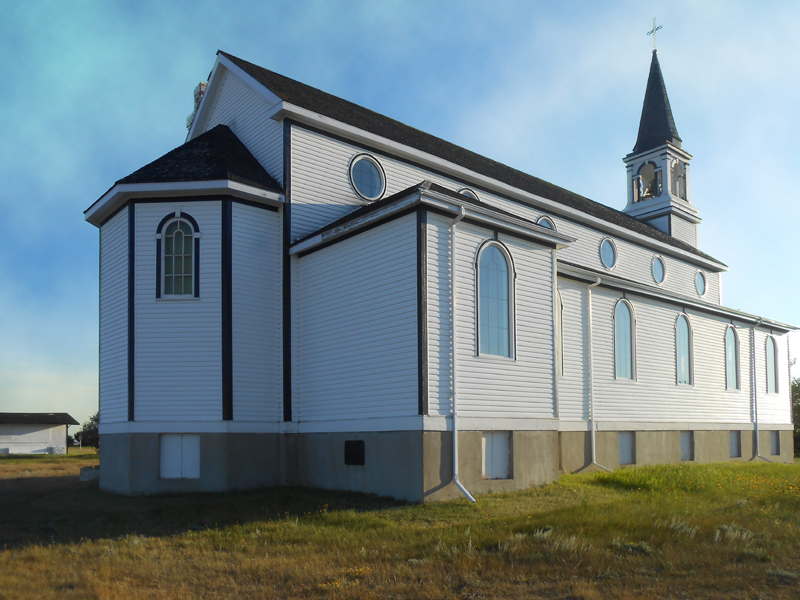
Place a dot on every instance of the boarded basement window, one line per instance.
(354, 452)
(626, 441)
(496, 454)
(687, 445)
(775, 443)
(736, 444)
(180, 456)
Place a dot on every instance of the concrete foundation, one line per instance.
(410, 465)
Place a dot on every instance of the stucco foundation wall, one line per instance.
(392, 463)
(130, 463)
(534, 462)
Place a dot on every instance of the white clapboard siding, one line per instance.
(18, 438)
(573, 385)
(357, 327)
(660, 223)
(684, 231)
(114, 319)
(321, 193)
(257, 314)
(654, 395)
(245, 112)
(178, 343)
(490, 385)
(773, 408)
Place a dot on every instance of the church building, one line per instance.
(308, 293)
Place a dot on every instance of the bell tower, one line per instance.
(658, 168)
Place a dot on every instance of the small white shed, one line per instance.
(34, 433)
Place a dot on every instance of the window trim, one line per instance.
(470, 193)
(377, 165)
(178, 215)
(652, 265)
(738, 353)
(705, 282)
(626, 302)
(560, 333)
(774, 363)
(548, 219)
(691, 349)
(600, 253)
(512, 300)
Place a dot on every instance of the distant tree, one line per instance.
(796, 413)
(88, 435)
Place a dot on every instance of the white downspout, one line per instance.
(556, 335)
(591, 382)
(461, 214)
(754, 387)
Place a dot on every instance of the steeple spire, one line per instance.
(656, 127)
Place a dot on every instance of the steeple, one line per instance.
(658, 168)
(656, 126)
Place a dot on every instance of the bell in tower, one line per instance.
(658, 168)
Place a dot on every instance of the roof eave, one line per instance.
(120, 193)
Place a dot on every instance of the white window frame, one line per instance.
(470, 193)
(548, 219)
(163, 260)
(737, 351)
(652, 265)
(559, 334)
(691, 349)
(775, 368)
(512, 300)
(600, 253)
(377, 165)
(705, 282)
(627, 303)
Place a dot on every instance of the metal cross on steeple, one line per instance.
(653, 32)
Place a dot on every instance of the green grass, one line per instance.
(711, 531)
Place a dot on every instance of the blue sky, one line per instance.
(94, 90)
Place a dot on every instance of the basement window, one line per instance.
(775, 443)
(687, 445)
(736, 444)
(496, 454)
(626, 441)
(354, 453)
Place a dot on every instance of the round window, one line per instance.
(659, 270)
(608, 253)
(546, 222)
(700, 283)
(366, 176)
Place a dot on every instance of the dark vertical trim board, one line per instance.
(287, 277)
(227, 310)
(422, 309)
(131, 305)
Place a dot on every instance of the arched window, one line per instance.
(177, 249)
(683, 350)
(772, 365)
(494, 301)
(623, 340)
(731, 359)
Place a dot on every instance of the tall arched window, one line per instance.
(623, 340)
(772, 365)
(494, 302)
(683, 350)
(559, 311)
(177, 248)
(731, 359)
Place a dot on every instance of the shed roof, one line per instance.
(37, 419)
(347, 112)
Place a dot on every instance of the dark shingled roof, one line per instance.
(331, 106)
(217, 154)
(656, 127)
(37, 419)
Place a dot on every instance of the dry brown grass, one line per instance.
(718, 531)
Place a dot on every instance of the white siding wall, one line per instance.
(178, 369)
(660, 223)
(244, 111)
(773, 408)
(33, 439)
(490, 385)
(114, 319)
(321, 193)
(257, 343)
(357, 321)
(684, 231)
(573, 385)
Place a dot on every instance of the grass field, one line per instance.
(679, 531)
